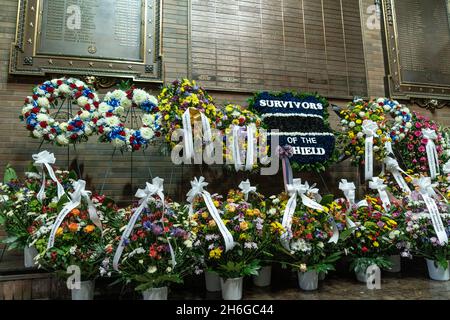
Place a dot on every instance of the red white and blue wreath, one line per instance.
(39, 110)
(112, 113)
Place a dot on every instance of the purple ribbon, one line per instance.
(285, 153)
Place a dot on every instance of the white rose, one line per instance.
(112, 121)
(408, 125)
(42, 117)
(54, 82)
(125, 103)
(43, 102)
(103, 107)
(119, 110)
(82, 101)
(398, 119)
(87, 130)
(139, 96)
(147, 133)
(117, 94)
(152, 269)
(188, 243)
(386, 107)
(360, 135)
(169, 269)
(351, 124)
(64, 88)
(380, 100)
(79, 83)
(402, 135)
(26, 109)
(118, 143)
(362, 114)
(148, 119)
(37, 134)
(85, 115)
(63, 126)
(61, 139)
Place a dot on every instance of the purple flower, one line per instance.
(157, 230)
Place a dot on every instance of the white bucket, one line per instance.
(396, 263)
(155, 294)
(264, 276)
(308, 280)
(86, 291)
(29, 253)
(232, 288)
(436, 272)
(212, 280)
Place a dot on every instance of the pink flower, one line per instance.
(418, 125)
(417, 133)
(414, 161)
(421, 149)
(439, 149)
(410, 147)
(423, 159)
(424, 141)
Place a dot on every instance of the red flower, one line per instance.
(74, 136)
(53, 130)
(136, 147)
(50, 89)
(134, 237)
(59, 82)
(78, 123)
(35, 96)
(43, 124)
(73, 86)
(70, 127)
(91, 95)
(87, 107)
(157, 133)
(96, 104)
(153, 252)
(35, 110)
(53, 255)
(100, 129)
(364, 249)
(309, 236)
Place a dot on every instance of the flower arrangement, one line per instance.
(402, 118)
(147, 261)
(45, 98)
(413, 151)
(235, 116)
(376, 236)
(178, 97)
(78, 241)
(116, 106)
(20, 207)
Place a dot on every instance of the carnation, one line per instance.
(147, 133)
(82, 101)
(103, 107)
(139, 96)
(43, 102)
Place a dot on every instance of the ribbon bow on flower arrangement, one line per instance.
(45, 158)
(348, 188)
(298, 189)
(369, 128)
(75, 200)
(246, 188)
(378, 184)
(284, 153)
(432, 155)
(145, 195)
(198, 190)
(426, 189)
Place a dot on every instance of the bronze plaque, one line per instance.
(306, 45)
(418, 40)
(117, 38)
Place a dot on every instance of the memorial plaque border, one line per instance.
(25, 61)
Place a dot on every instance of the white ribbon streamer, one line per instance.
(432, 155)
(369, 128)
(426, 190)
(45, 158)
(446, 167)
(197, 190)
(75, 200)
(378, 184)
(235, 149)
(294, 189)
(246, 188)
(145, 196)
(348, 188)
(188, 135)
(249, 159)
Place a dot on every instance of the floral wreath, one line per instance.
(353, 139)
(178, 97)
(402, 118)
(36, 111)
(115, 105)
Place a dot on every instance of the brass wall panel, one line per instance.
(248, 45)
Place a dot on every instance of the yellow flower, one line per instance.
(205, 215)
(216, 203)
(59, 232)
(256, 212)
(351, 135)
(376, 244)
(229, 108)
(166, 117)
(249, 212)
(243, 225)
(230, 208)
(358, 234)
(276, 227)
(235, 121)
(359, 121)
(379, 132)
(211, 223)
(243, 236)
(215, 253)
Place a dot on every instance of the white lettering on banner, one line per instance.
(308, 140)
(290, 104)
(292, 139)
(308, 151)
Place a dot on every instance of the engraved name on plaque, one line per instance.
(105, 29)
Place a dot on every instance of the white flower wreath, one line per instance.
(36, 111)
(116, 105)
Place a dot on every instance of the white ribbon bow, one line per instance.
(378, 184)
(197, 190)
(446, 167)
(75, 200)
(188, 140)
(45, 158)
(249, 159)
(246, 188)
(145, 195)
(294, 189)
(426, 190)
(432, 155)
(394, 168)
(369, 128)
(348, 188)
(235, 148)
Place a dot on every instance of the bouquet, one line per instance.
(401, 122)
(20, 206)
(376, 236)
(157, 252)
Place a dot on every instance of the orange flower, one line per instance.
(89, 228)
(73, 227)
(75, 212)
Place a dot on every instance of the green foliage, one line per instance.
(125, 85)
(360, 264)
(327, 199)
(147, 280)
(10, 174)
(236, 269)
